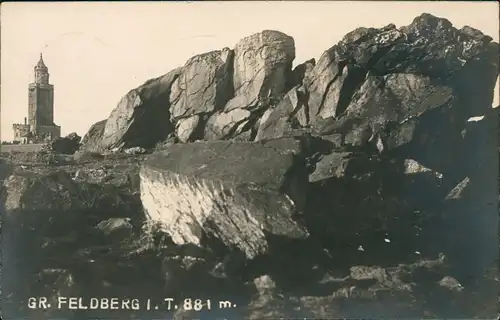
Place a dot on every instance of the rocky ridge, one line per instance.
(350, 186)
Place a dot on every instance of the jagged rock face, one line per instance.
(281, 120)
(395, 111)
(390, 88)
(237, 193)
(203, 87)
(261, 76)
(208, 98)
(262, 68)
(191, 94)
(397, 97)
(383, 88)
(342, 70)
(142, 115)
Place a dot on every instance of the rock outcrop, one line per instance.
(202, 88)
(380, 85)
(360, 184)
(141, 118)
(214, 96)
(376, 87)
(262, 68)
(236, 193)
(261, 76)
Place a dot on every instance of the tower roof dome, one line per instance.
(41, 64)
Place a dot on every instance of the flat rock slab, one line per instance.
(236, 192)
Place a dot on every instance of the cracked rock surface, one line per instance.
(237, 193)
(262, 65)
(203, 87)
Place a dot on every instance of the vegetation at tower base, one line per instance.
(358, 185)
(65, 145)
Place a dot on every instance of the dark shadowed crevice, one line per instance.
(199, 131)
(340, 66)
(289, 79)
(225, 90)
(154, 115)
(351, 85)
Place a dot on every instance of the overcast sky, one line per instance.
(97, 52)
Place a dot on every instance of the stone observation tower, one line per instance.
(40, 123)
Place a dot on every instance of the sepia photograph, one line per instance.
(260, 160)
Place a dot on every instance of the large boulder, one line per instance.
(400, 112)
(429, 46)
(406, 89)
(142, 116)
(261, 77)
(262, 68)
(202, 88)
(237, 193)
